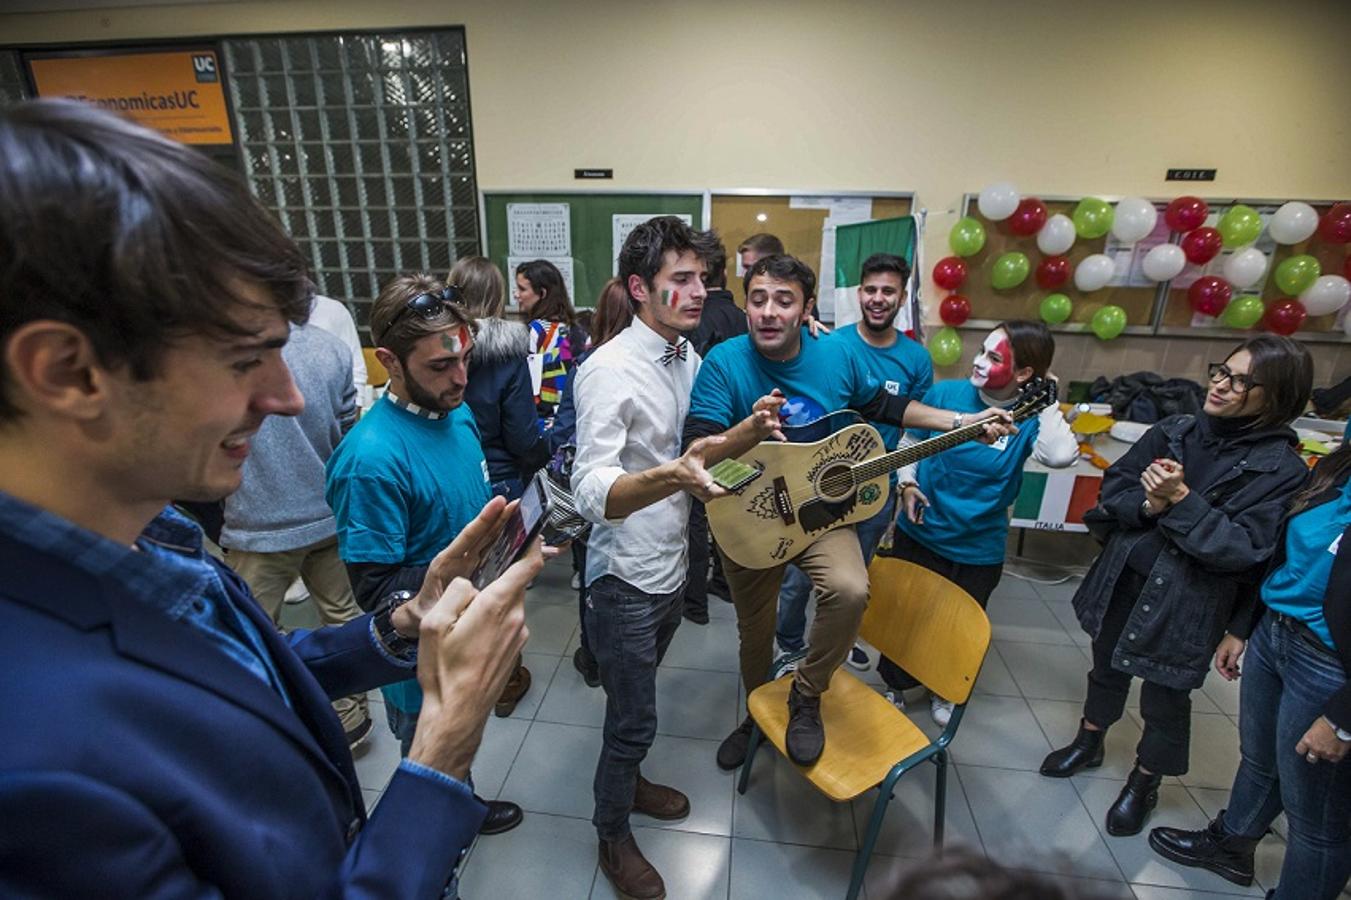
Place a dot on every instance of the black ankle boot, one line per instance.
(1140, 795)
(1085, 752)
(1227, 855)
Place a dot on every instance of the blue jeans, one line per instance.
(1286, 683)
(629, 630)
(796, 589)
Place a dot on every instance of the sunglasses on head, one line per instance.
(429, 305)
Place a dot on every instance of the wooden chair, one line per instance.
(936, 632)
(376, 375)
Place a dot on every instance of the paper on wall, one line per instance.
(562, 263)
(623, 223)
(539, 230)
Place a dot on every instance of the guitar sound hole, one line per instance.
(835, 482)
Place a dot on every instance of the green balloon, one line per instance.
(1108, 322)
(967, 237)
(1092, 218)
(945, 346)
(1243, 312)
(1240, 225)
(1295, 274)
(1056, 308)
(1010, 270)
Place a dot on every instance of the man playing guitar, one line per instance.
(814, 377)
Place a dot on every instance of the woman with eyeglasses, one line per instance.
(556, 339)
(1295, 730)
(1189, 517)
(499, 390)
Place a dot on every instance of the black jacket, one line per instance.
(1217, 539)
(720, 320)
(1336, 604)
(503, 403)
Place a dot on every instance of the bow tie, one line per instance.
(679, 350)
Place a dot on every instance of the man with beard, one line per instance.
(411, 474)
(905, 370)
(816, 377)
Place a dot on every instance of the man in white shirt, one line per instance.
(632, 481)
(334, 317)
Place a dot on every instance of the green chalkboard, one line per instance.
(591, 223)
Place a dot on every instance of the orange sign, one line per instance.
(178, 93)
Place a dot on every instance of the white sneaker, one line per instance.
(896, 699)
(940, 711)
(576, 581)
(858, 658)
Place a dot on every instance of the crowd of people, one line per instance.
(168, 738)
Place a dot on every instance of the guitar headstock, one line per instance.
(1034, 396)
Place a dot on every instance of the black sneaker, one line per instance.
(732, 751)
(357, 734)
(806, 736)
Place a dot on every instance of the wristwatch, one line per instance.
(957, 420)
(1342, 733)
(395, 643)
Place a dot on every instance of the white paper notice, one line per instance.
(563, 264)
(539, 230)
(623, 223)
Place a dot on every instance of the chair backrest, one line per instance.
(926, 625)
(376, 374)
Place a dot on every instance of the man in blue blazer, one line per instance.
(160, 738)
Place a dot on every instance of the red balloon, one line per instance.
(1335, 226)
(1202, 245)
(1052, 272)
(950, 272)
(1209, 295)
(1186, 213)
(1028, 218)
(954, 310)
(1284, 316)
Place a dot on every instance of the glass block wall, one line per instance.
(362, 145)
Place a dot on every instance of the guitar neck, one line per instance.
(896, 459)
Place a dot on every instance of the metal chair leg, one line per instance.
(869, 842)
(940, 797)
(750, 758)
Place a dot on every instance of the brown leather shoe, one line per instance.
(659, 801)
(632, 875)
(517, 685)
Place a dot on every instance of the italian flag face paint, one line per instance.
(670, 298)
(456, 341)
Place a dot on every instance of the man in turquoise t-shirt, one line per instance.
(815, 377)
(905, 370)
(411, 474)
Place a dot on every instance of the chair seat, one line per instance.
(865, 734)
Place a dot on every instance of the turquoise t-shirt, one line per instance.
(904, 369)
(1312, 539)
(824, 377)
(401, 487)
(970, 487)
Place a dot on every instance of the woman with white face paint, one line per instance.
(954, 517)
(1189, 517)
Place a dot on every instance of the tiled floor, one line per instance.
(783, 839)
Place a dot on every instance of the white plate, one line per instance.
(1129, 432)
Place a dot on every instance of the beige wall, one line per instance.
(938, 97)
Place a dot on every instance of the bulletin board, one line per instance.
(989, 307)
(796, 218)
(590, 229)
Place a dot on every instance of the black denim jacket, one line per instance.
(1216, 539)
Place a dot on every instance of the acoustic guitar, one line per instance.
(830, 473)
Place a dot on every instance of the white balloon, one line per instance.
(1094, 272)
(998, 201)
(1056, 236)
(1164, 262)
(1135, 218)
(1293, 222)
(1326, 295)
(1245, 268)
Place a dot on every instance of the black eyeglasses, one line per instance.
(1241, 384)
(429, 305)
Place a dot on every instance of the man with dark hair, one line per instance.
(162, 738)
(412, 474)
(816, 377)
(904, 369)
(632, 482)
(757, 247)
